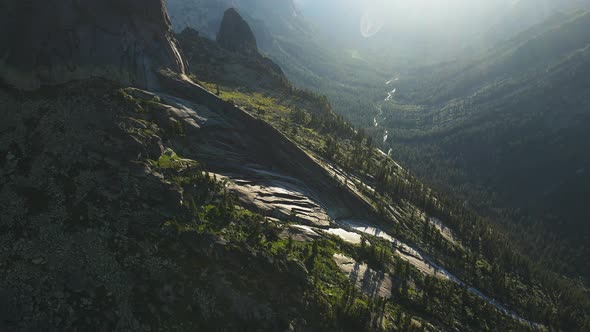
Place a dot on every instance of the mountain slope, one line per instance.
(93, 207)
(508, 132)
(523, 14)
(530, 52)
(255, 208)
(308, 58)
(349, 162)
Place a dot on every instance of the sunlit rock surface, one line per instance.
(370, 282)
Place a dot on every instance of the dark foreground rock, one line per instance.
(86, 241)
(52, 42)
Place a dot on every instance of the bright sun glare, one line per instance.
(372, 22)
(377, 12)
(421, 14)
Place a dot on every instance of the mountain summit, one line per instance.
(235, 34)
(58, 41)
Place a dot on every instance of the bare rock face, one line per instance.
(55, 41)
(235, 34)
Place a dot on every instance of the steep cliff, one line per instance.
(56, 41)
(235, 34)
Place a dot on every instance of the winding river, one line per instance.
(379, 118)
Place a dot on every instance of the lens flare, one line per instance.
(372, 22)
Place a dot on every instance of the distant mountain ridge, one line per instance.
(511, 128)
(523, 14)
(266, 18)
(240, 63)
(535, 49)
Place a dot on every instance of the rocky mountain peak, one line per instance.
(62, 40)
(236, 35)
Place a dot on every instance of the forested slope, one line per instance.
(508, 134)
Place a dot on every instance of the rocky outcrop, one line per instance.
(62, 40)
(235, 34)
(370, 282)
(268, 19)
(214, 63)
(237, 143)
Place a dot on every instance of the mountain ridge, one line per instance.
(235, 34)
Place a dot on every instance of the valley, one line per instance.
(491, 134)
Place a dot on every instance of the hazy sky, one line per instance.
(428, 26)
(425, 15)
